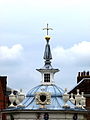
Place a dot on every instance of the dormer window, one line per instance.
(46, 77)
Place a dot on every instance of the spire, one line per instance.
(47, 71)
(47, 53)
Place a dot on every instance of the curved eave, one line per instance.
(48, 70)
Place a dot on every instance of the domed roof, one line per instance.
(56, 97)
(53, 89)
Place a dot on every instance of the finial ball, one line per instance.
(47, 37)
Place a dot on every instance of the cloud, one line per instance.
(78, 54)
(12, 53)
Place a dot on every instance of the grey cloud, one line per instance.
(77, 55)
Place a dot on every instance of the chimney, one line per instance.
(82, 75)
(3, 84)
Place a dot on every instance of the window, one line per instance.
(46, 77)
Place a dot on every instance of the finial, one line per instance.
(47, 53)
(47, 28)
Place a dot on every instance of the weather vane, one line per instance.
(47, 28)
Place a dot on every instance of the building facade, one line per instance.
(83, 84)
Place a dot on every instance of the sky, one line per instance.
(22, 40)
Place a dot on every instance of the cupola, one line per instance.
(47, 71)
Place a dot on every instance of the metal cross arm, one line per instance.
(47, 28)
